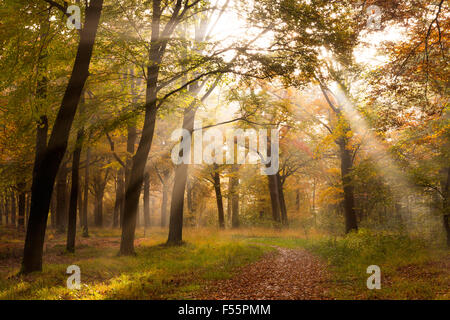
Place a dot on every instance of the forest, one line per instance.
(224, 149)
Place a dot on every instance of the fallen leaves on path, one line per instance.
(285, 274)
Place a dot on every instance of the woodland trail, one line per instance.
(285, 274)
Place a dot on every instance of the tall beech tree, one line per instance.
(47, 167)
(160, 37)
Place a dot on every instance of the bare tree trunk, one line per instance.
(349, 198)
(164, 204)
(445, 187)
(99, 184)
(21, 205)
(86, 194)
(2, 208)
(119, 198)
(13, 208)
(146, 200)
(72, 223)
(235, 196)
(179, 185)
(6, 209)
(80, 203)
(274, 197)
(229, 201)
(219, 199)
(53, 210)
(61, 197)
(283, 209)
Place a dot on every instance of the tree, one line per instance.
(42, 185)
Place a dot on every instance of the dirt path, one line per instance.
(282, 275)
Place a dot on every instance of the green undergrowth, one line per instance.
(156, 272)
(410, 267)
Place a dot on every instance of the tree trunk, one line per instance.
(147, 200)
(229, 202)
(80, 202)
(13, 208)
(283, 209)
(445, 187)
(349, 199)
(72, 225)
(98, 212)
(189, 195)
(179, 185)
(176, 205)
(274, 197)
(21, 211)
(61, 197)
(42, 185)
(86, 195)
(6, 209)
(99, 191)
(53, 210)
(235, 196)
(119, 198)
(2, 209)
(164, 204)
(219, 199)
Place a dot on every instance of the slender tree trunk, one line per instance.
(235, 196)
(6, 209)
(189, 195)
(134, 185)
(349, 199)
(99, 190)
(98, 215)
(27, 209)
(164, 204)
(283, 209)
(445, 187)
(229, 202)
(86, 194)
(42, 185)
(274, 197)
(53, 210)
(13, 208)
(179, 186)
(146, 200)
(176, 205)
(119, 198)
(72, 225)
(80, 203)
(219, 199)
(2, 209)
(61, 197)
(21, 207)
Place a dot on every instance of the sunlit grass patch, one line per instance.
(156, 272)
(349, 258)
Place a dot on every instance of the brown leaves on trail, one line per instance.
(282, 275)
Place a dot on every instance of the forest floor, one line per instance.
(232, 264)
(288, 274)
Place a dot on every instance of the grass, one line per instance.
(410, 268)
(156, 272)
